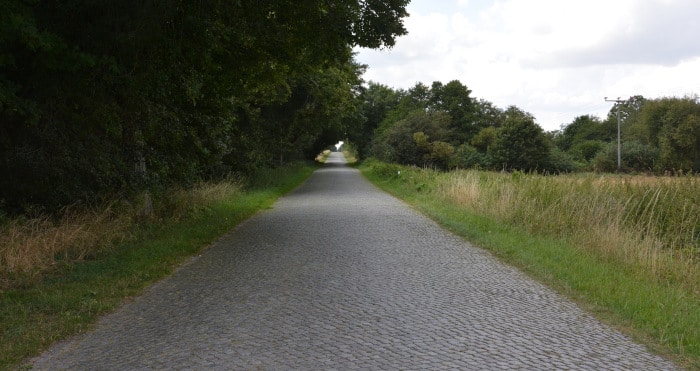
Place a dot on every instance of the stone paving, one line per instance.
(341, 276)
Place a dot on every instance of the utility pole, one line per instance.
(618, 101)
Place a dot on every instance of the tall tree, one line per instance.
(520, 143)
(629, 116)
(375, 102)
(398, 142)
(113, 96)
(583, 128)
(454, 99)
(673, 126)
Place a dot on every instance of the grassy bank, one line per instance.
(627, 248)
(68, 271)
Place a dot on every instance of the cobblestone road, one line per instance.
(339, 275)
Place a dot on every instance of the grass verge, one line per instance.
(323, 156)
(69, 299)
(657, 309)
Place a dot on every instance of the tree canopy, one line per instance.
(111, 97)
(445, 127)
(658, 135)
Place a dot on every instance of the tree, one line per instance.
(375, 102)
(467, 115)
(415, 99)
(630, 110)
(520, 143)
(315, 114)
(436, 153)
(636, 156)
(486, 114)
(680, 146)
(583, 128)
(114, 97)
(673, 126)
(454, 99)
(467, 157)
(484, 139)
(586, 150)
(398, 143)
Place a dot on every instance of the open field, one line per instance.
(626, 247)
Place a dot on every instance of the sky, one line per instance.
(556, 59)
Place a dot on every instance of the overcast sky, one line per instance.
(556, 59)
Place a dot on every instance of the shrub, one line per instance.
(586, 150)
(467, 157)
(635, 157)
(560, 162)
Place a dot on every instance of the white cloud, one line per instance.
(650, 32)
(556, 59)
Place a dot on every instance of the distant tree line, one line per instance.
(108, 98)
(659, 136)
(443, 126)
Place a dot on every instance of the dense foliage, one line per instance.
(658, 136)
(442, 126)
(105, 98)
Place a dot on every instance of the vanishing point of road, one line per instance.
(341, 276)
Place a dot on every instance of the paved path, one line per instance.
(339, 275)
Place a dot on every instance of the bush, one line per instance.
(640, 157)
(467, 157)
(401, 143)
(635, 157)
(605, 160)
(520, 143)
(587, 150)
(560, 162)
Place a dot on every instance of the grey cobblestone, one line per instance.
(340, 276)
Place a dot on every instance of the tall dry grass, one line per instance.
(31, 247)
(650, 222)
(323, 156)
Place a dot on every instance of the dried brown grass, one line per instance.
(30, 247)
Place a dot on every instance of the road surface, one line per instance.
(339, 275)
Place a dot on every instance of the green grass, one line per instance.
(70, 299)
(660, 311)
